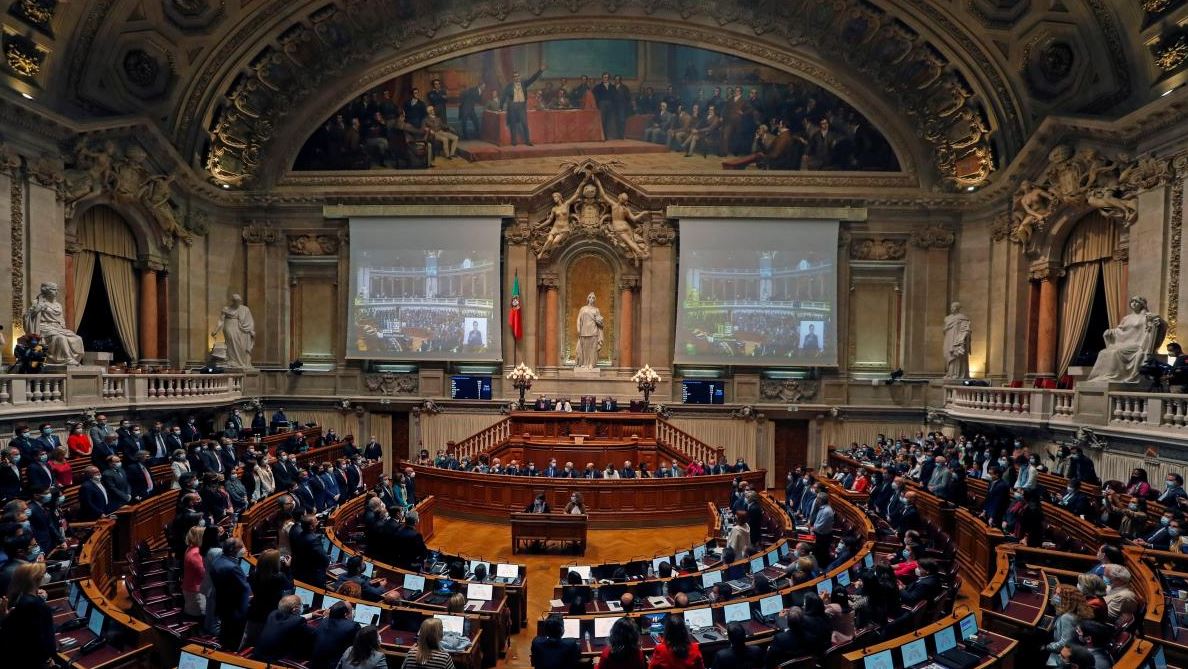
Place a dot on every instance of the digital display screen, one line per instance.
(737, 612)
(879, 661)
(868, 561)
(414, 582)
(366, 614)
(245, 567)
(328, 601)
(783, 550)
(703, 392)
(656, 562)
(914, 652)
(80, 609)
(843, 579)
(572, 628)
(1004, 598)
(711, 578)
(192, 661)
(583, 571)
(306, 597)
(470, 387)
(969, 626)
(424, 289)
(480, 591)
(699, 552)
(602, 626)
(473, 564)
(757, 565)
(335, 554)
(95, 624)
(757, 292)
(699, 618)
(455, 624)
(769, 606)
(368, 569)
(679, 557)
(945, 640)
(507, 571)
(826, 585)
(1160, 660)
(75, 592)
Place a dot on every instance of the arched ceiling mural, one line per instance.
(238, 85)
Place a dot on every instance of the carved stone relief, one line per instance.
(788, 390)
(934, 236)
(590, 211)
(313, 245)
(260, 232)
(391, 384)
(878, 249)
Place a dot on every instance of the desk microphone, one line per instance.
(93, 645)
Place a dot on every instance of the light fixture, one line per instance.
(226, 186)
(1164, 95)
(30, 97)
(970, 189)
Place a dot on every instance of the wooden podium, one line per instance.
(564, 528)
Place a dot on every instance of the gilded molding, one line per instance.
(1170, 56)
(1176, 231)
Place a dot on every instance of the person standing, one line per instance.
(515, 103)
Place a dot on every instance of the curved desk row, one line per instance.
(609, 503)
(515, 587)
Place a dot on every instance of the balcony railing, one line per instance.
(25, 393)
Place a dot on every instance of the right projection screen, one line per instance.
(757, 292)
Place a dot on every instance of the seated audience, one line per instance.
(550, 651)
(676, 650)
(622, 650)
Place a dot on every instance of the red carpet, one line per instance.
(475, 150)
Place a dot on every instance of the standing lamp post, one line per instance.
(646, 379)
(522, 377)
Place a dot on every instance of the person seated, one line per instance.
(550, 651)
(1071, 609)
(1160, 538)
(285, 635)
(1094, 589)
(538, 505)
(927, 585)
(334, 634)
(737, 655)
(677, 649)
(622, 650)
(1074, 500)
(1173, 490)
(354, 573)
(428, 653)
(1091, 649)
(1120, 599)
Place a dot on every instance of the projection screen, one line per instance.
(757, 292)
(424, 289)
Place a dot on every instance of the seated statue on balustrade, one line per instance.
(1127, 346)
(46, 317)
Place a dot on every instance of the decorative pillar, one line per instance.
(148, 310)
(548, 289)
(1047, 332)
(627, 287)
(163, 315)
(264, 284)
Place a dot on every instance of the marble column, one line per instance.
(1046, 344)
(148, 312)
(548, 290)
(627, 287)
(163, 319)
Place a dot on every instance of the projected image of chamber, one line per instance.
(757, 292)
(424, 288)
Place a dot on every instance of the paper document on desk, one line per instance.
(556, 603)
(658, 602)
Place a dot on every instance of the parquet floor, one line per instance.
(493, 542)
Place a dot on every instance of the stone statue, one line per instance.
(621, 221)
(239, 333)
(558, 222)
(1128, 345)
(156, 194)
(46, 318)
(590, 335)
(957, 333)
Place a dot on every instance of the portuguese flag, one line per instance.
(514, 321)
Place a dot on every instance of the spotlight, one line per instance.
(970, 189)
(981, 383)
(210, 369)
(30, 97)
(1162, 95)
(226, 186)
(295, 367)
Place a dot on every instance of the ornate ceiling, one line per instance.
(236, 85)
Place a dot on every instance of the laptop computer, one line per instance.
(701, 625)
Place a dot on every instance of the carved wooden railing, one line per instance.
(482, 441)
(684, 444)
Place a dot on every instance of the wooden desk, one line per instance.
(1001, 647)
(224, 659)
(133, 647)
(566, 528)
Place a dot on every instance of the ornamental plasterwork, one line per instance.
(934, 236)
(391, 384)
(1082, 180)
(788, 390)
(260, 232)
(949, 115)
(869, 248)
(1169, 57)
(313, 245)
(589, 210)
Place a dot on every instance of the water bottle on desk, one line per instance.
(589, 640)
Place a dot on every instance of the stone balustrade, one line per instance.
(39, 394)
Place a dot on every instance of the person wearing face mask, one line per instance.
(27, 632)
(93, 499)
(280, 474)
(232, 594)
(1160, 538)
(264, 477)
(1173, 490)
(1026, 479)
(1071, 610)
(237, 494)
(1091, 651)
(997, 497)
(155, 442)
(103, 450)
(211, 462)
(1120, 599)
(45, 521)
(1080, 466)
(100, 430)
(233, 428)
(1133, 521)
(1137, 485)
(1036, 464)
(927, 585)
(1074, 500)
(131, 443)
(116, 483)
(140, 478)
(178, 465)
(189, 430)
(38, 474)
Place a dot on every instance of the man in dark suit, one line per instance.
(551, 471)
(604, 97)
(116, 483)
(354, 476)
(738, 655)
(591, 472)
(48, 441)
(1080, 466)
(209, 457)
(38, 474)
(309, 557)
(468, 110)
(998, 496)
(233, 428)
(10, 473)
(157, 442)
(550, 650)
(333, 636)
(411, 543)
(45, 527)
(627, 472)
(927, 586)
(415, 109)
(285, 634)
(25, 444)
(93, 500)
(538, 505)
(304, 493)
(754, 518)
(279, 420)
(259, 424)
(410, 485)
(1076, 501)
(140, 478)
(232, 594)
(227, 454)
(102, 451)
(173, 440)
(131, 443)
(190, 431)
(621, 101)
(515, 103)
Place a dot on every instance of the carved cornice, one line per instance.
(392, 384)
(548, 281)
(260, 232)
(10, 160)
(313, 245)
(788, 390)
(870, 248)
(934, 236)
(629, 282)
(48, 171)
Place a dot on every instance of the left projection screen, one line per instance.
(424, 289)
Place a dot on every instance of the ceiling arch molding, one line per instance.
(236, 120)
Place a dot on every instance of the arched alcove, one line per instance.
(105, 289)
(1093, 291)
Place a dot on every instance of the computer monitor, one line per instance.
(573, 628)
(679, 557)
(914, 652)
(307, 598)
(366, 614)
(368, 569)
(699, 618)
(869, 561)
(245, 566)
(969, 626)
(1004, 598)
(192, 661)
(335, 554)
(773, 558)
(474, 563)
(843, 579)
(328, 601)
(737, 612)
(770, 606)
(480, 591)
(699, 552)
(1159, 661)
(757, 565)
(507, 570)
(826, 585)
(711, 578)
(583, 571)
(455, 624)
(602, 627)
(325, 543)
(656, 562)
(75, 593)
(414, 582)
(945, 640)
(96, 621)
(784, 549)
(81, 608)
(879, 661)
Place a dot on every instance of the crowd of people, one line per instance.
(487, 465)
(1102, 601)
(790, 125)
